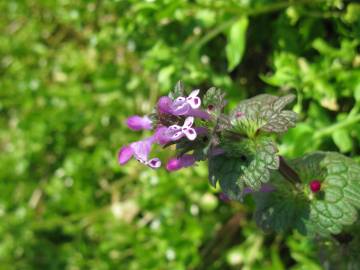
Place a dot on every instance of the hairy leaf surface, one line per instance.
(247, 163)
(264, 113)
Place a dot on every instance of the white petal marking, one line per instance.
(189, 121)
(190, 134)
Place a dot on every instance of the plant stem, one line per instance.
(329, 130)
(288, 173)
(343, 238)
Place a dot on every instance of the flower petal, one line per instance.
(187, 160)
(136, 122)
(193, 99)
(198, 113)
(180, 99)
(195, 102)
(164, 105)
(142, 149)
(125, 154)
(190, 133)
(180, 108)
(154, 163)
(175, 163)
(177, 135)
(225, 198)
(162, 136)
(189, 121)
(174, 128)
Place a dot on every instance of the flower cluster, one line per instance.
(173, 122)
(240, 153)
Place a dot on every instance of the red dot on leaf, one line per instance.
(315, 185)
(239, 114)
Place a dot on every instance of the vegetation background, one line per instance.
(72, 71)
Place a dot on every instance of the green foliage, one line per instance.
(248, 162)
(178, 90)
(281, 211)
(235, 46)
(263, 113)
(214, 98)
(341, 198)
(324, 213)
(227, 170)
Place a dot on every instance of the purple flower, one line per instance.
(198, 113)
(161, 135)
(140, 151)
(176, 132)
(164, 105)
(182, 106)
(136, 122)
(125, 154)
(175, 163)
(225, 198)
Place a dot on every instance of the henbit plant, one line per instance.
(317, 194)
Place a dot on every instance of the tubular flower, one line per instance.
(161, 135)
(136, 122)
(178, 163)
(140, 151)
(164, 105)
(176, 132)
(167, 116)
(182, 106)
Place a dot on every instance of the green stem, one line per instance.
(288, 173)
(330, 129)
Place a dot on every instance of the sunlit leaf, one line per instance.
(235, 46)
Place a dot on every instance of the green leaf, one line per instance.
(214, 97)
(342, 140)
(235, 46)
(325, 212)
(281, 211)
(178, 91)
(246, 163)
(264, 113)
(337, 203)
(226, 170)
(263, 159)
(352, 13)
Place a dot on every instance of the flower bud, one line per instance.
(315, 186)
(136, 122)
(125, 154)
(175, 164)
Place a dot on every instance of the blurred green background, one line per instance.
(72, 71)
